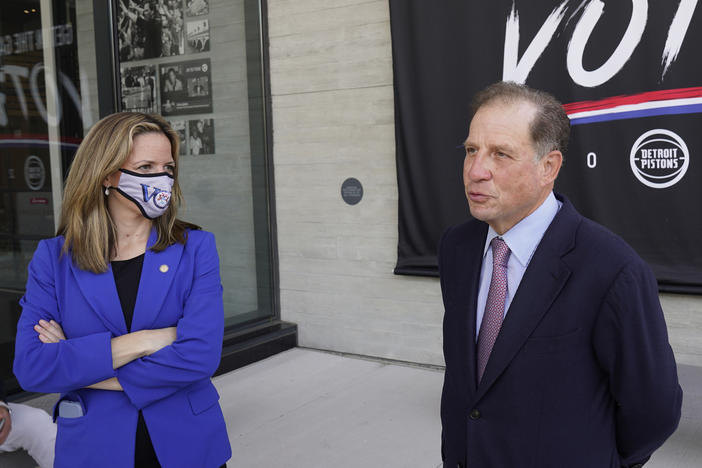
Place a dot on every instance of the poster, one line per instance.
(138, 87)
(179, 126)
(201, 139)
(197, 36)
(186, 87)
(149, 29)
(629, 77)
(197, 7)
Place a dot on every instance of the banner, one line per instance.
(630, 80)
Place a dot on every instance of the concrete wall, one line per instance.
(331, 81)
(684, 317)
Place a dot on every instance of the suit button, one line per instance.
(475, 414)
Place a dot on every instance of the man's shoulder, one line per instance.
(597, 236)
(604, 250)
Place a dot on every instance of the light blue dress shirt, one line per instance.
(522, 241)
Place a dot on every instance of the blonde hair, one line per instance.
(85, 222)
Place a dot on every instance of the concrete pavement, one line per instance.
(304, 408)
(311, 409)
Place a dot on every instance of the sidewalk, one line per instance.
(310, 409)
(307, 409)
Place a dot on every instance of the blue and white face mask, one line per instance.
(150, 192)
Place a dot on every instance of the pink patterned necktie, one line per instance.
(495, 304)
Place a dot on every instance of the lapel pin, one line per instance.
(163, 268)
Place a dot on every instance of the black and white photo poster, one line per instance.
(201, 139)
(629, 76)
(149, 29)
(197, 36)
(197, 7)
(138, 85)
(179, 127)
(186, 87)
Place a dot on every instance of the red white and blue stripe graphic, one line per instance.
(666, 102)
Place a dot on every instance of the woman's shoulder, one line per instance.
(195, 237)
(199, 243)
(49, 251)
(52, 244)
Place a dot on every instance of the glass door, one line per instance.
(44, 110)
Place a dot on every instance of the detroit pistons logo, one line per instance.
(160, 198)
(659, 158)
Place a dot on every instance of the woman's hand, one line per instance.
(138, 344)
(109, 384)
(49, 332)
(125, 348)
(160, 338)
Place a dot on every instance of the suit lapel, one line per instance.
(157, 274)
(543, 280)
(100, 292)
(470, 284)
(461, 273)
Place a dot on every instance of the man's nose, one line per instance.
(476, 167)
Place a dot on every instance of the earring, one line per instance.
(107, 191)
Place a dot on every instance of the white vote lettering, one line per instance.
(518, 69)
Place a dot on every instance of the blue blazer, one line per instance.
(180, 287)
(581, 375)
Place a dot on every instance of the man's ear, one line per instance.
(550, 166)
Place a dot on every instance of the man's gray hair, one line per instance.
(550, 127)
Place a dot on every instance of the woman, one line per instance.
(123, 310)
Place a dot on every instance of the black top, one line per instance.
(127, 274)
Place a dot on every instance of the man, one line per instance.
(24, 427)
(557, 354)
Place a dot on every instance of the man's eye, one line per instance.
(470, 151)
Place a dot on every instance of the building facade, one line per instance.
(333, 118)
(279, 102)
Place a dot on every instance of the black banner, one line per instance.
(630, 80)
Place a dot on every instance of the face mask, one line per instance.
(150, 192)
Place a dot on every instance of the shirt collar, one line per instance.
(523, 238)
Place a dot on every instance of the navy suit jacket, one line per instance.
(179, 287)
(581, 375)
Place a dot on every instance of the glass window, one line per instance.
(197, 63)
(190, 62)
(44, 110)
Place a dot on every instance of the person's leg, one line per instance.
(34, 431)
